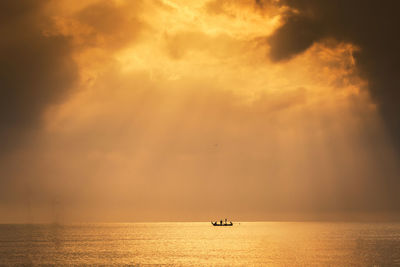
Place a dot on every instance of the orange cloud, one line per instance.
(179, 107)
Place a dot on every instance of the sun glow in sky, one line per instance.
(178, 113)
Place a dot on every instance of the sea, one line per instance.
(201, 244)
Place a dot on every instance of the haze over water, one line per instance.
(200, 244)
(188, 110)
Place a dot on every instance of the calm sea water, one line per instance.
(201, 244)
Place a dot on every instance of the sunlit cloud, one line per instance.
(178, 109)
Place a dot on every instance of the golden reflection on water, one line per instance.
(200, 244)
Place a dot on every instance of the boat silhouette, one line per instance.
(222, 223)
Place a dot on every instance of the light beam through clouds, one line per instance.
(177, 113)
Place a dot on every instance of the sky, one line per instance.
(175, 110)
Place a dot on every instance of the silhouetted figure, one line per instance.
(222, 223)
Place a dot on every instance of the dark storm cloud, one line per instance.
(36, 69)
(371, 25)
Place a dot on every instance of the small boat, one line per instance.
(222, 223)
